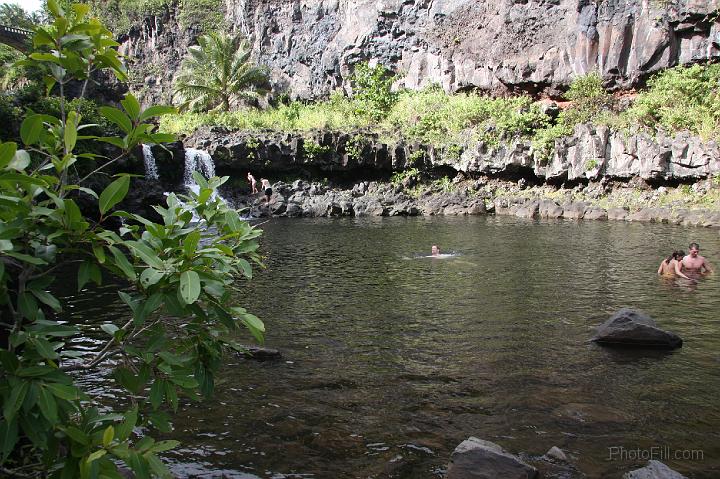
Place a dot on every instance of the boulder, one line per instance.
(556, 453)
(550, 209)
(478, 459)
(634, 329)
(654, 470)
(595, 213)
(575, 211)
(620, 214)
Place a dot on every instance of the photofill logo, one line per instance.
(658, 453)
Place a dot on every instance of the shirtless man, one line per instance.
(694, 263)
(435, 250)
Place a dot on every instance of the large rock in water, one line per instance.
(654, 470)
(478, 459)
(632, 328)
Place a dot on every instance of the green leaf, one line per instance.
(157, 466)
(189, 286)
(48, 299)
(171, 395)
(13, 403)
(114, 193)
(124, 429)
(31, 129)
(99, 253)
(139, 465)
(109, 328)
(150, 277)
(48, 406)
(108, 435)
(44, 348)
(88, 270)
(96, 455)
(7, 152)
(62, 391)
(161, 421)
(70, 134)
(27, 305)
(131, 105)
(122, 263)
(77, 435)
(8, 438)
(54, 8)
(147, 254)
(190, 243)
(26, 258)
(157, 392)
(118, 117)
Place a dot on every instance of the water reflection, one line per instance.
(389, 363)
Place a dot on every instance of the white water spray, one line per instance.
(151, 171)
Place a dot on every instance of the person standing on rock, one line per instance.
(252, 181)
(694, 263)
(267, 188)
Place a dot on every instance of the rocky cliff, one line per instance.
(500, 46)
(591, 153)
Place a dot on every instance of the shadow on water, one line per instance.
(389, 363)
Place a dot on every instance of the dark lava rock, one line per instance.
(632, 328)
(654, 470)
(478, 459)
(261, 354)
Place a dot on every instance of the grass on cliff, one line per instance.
(426, 116)
(681, 98)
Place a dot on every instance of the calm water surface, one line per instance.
(391, 359)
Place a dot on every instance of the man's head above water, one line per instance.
(435, 250)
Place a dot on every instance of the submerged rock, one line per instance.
(479, 459)
(261, 354)
(632, 328)
(654, 470)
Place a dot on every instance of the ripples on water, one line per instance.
(390, 362)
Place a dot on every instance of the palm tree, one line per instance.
(218, 72)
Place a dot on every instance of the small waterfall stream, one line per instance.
(151, 171)
(201, 161)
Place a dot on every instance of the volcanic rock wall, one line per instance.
(500, 46)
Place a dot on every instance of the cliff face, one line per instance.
(501, 46)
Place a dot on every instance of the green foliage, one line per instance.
(590, 102)
(681, 98)
(355, 146)
(121, 15)
(217, 73)
(443, 184)
(432, 116)
(400, 177)
(591, 164)
(177, 268)
(313, 151)
(209, 15)
(372, 91)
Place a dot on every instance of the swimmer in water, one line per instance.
(694, 263)
(671, 266)
(435, 250)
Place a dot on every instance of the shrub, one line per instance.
(372, 90)
(681, 98)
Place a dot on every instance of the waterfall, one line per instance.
(151, 171)
(198, 160)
